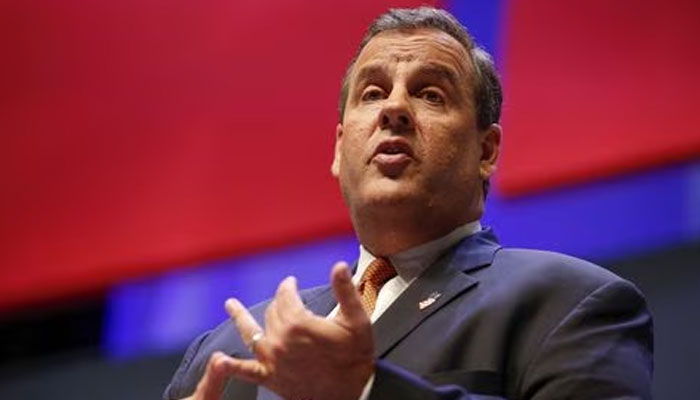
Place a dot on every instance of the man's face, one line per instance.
(409, 133)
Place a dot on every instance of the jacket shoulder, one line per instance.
(547, 269)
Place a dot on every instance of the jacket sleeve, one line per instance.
(392, 382)
(180, 386)
(602, 349)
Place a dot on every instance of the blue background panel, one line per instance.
(166, 312)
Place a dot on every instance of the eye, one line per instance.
(373, 93)
(432, 96)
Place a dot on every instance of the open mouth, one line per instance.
(392, 157)
(393, 147)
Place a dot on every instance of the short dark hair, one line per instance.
(488, 94)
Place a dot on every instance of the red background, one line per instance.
(598, 87)
(138, 135)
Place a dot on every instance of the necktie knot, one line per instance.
(378, 272)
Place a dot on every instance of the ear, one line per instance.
(335, 166)
(490, 149)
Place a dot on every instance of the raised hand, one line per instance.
(300, 355)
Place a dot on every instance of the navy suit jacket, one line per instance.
(508, 323)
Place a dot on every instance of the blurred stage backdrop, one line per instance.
(157, 157)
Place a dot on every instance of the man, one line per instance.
(436, 307)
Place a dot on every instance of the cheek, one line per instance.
(355, 136)
(351, 156)
(352, 153)
(453, 154)
(362, 118)
(442, 144)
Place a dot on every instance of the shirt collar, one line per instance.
(412, 262)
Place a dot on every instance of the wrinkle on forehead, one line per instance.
(407, 46)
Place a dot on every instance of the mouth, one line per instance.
(394, 147)
(392, 157)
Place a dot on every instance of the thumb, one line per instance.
(347, 295)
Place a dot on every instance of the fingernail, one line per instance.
(231, 304)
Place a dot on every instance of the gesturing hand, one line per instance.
(300, 355)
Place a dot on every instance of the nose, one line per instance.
(396, 114)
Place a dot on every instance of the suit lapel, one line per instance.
(404, 314)
(446, 279)
(449, 277)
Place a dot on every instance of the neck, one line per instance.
(385, 233)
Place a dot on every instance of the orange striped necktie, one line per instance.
(378, 272)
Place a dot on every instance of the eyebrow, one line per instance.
(437, 70)
(371, 72)
(440, 71)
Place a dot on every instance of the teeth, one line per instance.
(392, 149)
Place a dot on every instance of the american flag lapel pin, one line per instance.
(432, 297)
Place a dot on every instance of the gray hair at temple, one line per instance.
(487, 86)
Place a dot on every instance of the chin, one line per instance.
(389, 193)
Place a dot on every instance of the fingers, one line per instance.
(248, 370)
(273, 322)
(285, 307)
(288, 304)
(346, 294)
(220, 367)
(288, 295)
(246, 324)
(212, 383)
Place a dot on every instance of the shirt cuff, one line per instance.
(367, 389)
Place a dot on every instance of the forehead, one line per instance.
(415, 46)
